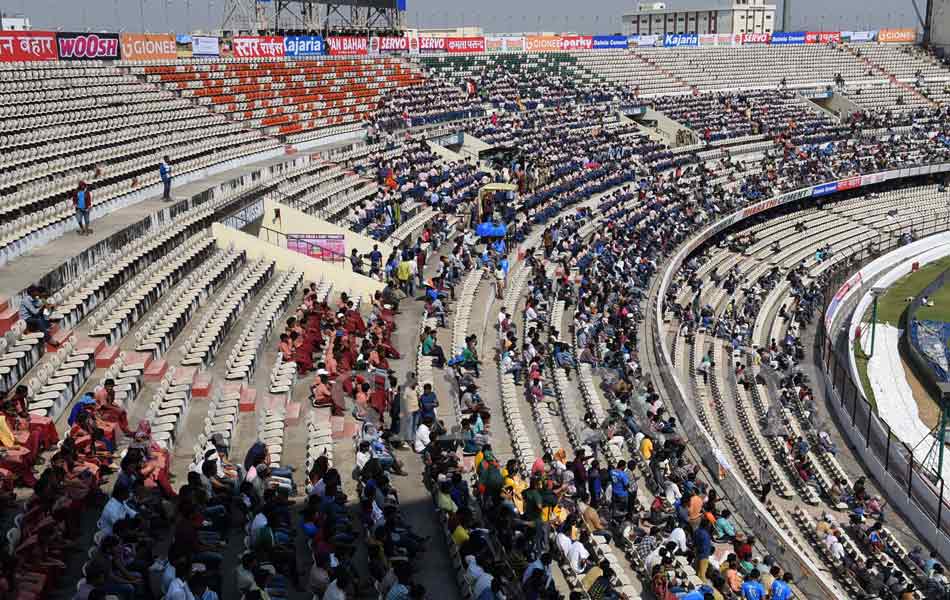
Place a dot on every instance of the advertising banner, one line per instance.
(609, 42)
(824, 189)
(514, 44)
(862, 36)
(327, 247)
(148, 46)
(464, 44)
(680, 40)
(871, 179)
(787, 38)
(431, 44)
(543, 43)
(897, 36)
(203, 45)
(258, 47)
(576, 42)
(708, 39)
(303, 45)
(822, 37)
(347, 45)
(87, 46)
(389, 45)
(17, 46)
(494, 44)
(849, 184)
(183, 43)
(755, 38)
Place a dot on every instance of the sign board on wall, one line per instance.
(202, 45)
(388, 45)
(576, 42)
(347, 45)
(542, 43)
(148, 46)
(303, 45)
(680, 40)
(326, 247)
(17, 46)
(431, 44)
(822, 37)
(258, 47)
(87, 46)
(464, 44)
(787, 38)
(892, 36)
(609, 42)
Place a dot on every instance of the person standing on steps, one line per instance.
(82, 200)
(765, 483)
(165, 172)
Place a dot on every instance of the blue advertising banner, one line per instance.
(786, 38)
(604, 42)
(824, 189)
(303, 45)
(677, 40)
(401, 5)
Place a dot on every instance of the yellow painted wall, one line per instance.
(296, 221)
(343, 279)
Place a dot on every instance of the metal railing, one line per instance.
(922, 486)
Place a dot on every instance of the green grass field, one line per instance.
(893, 302)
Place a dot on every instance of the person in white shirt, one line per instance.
(259, 522)
(577, 554)
(115, 510)
(338, 586)
(423, 434)
(178, 590)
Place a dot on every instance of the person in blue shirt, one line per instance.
(427, 402)
(619, 485)
(82, 200)
(165, 172)
(31, 312)
(781, 588)
(375, 261)
(751, 588)
(702, 541)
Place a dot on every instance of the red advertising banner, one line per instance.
(431, 44)
(849, 184)
(577, 42)
(897, 36)
(823, 37)
(756, 38)
(347, 45)
(388, 44)
(17, 46)
(257, 47)
(467, 44)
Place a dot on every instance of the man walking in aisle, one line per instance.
(82, 200)
(165, 172)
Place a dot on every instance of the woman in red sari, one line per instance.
(286, 348)
(155, 466)
(108, 413)
(42, 427)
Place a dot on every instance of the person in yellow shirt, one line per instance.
(443, 498)
(646, 448)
